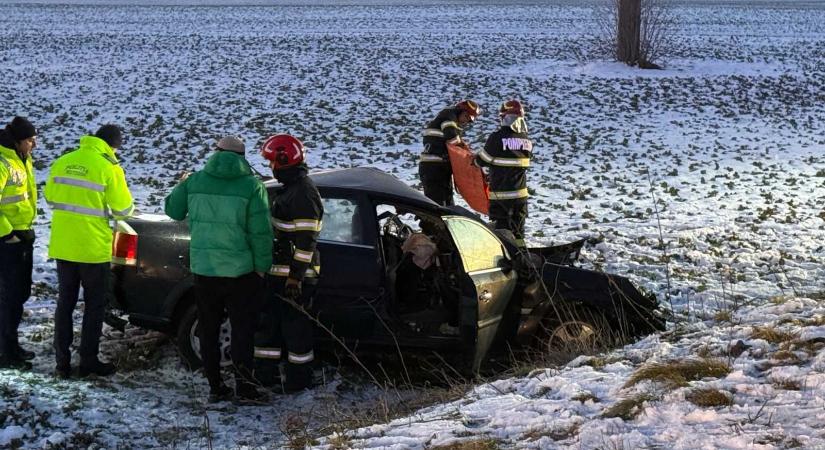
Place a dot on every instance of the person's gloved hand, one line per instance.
(292, 290)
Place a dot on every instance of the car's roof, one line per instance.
(370, 180)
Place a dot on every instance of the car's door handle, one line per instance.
(485, 296)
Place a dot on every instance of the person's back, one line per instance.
(507, 153)
(217, 200)
(230, 249)
(85, 188)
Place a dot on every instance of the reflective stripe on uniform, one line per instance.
(14, 198)
(504, 162)
(280, 270)
(509, 195)
(448, 124)
(80, 183)
(124, 212)
(297, 224)
(455, 140)
(301, 358)
(79, 209)
(427, 157)
(268, 352)
(432, 132)
(303, 256)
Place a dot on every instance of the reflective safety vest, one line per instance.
(86, 188)
(18, 192)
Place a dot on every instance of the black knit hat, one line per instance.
(111, 134)
(21, 129)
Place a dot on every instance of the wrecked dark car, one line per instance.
(400, 273)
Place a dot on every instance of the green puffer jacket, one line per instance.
(228, 211)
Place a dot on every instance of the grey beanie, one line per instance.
(231, 144)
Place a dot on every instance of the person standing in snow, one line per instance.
(86, 187)
(230, 250)
(296, 214)
(434, 168)
(18, 208)
(507, 154)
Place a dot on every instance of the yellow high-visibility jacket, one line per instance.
(86, 188)
(18, 192)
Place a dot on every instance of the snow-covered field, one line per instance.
(727, 144)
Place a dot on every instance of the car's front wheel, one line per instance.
(189, 344)
(574, 331)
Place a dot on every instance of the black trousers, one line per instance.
(510, 215)
(437, 181)
(93, 278)
(286, 334)
(15, 289)
(238, 297)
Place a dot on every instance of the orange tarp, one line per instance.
(469, 179)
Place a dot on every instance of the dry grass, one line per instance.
(585, 396)
(340, 442)
(723, 316)
(772, 334)
(482, 444)
(709, 398)
(787, 384)
(810, 347)
(629, 408)
(599, 362)
(554, 434)
(787, 357)
(678, 373)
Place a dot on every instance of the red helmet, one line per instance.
(284, 151)
(470, 107)
(511, 107)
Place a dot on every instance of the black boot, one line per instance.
(13, 362)
(219, 393)
(96, 367)
(63, 372)
(249, 394)
(24, 354)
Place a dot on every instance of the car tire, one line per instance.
(574, 331)
(188, 340)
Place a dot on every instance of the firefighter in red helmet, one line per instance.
(507, 154)
(296, 216)
(434, 168)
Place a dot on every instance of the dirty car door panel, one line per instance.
(487, 286)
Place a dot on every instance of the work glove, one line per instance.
(292, 290)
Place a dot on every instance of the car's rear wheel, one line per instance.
(574, 331)
(188, 339)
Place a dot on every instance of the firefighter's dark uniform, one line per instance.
(434, 167)
(507, 154)
(296, 216)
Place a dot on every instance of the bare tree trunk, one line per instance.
(629, 31)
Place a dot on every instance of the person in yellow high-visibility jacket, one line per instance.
(85, 189)
(18, 208)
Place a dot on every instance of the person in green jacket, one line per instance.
(85, 189)
(230, 249)
(18, 208)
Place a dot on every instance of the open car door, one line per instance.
(486, 286)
